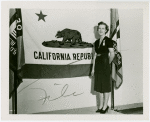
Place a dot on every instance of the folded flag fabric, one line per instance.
(16, 49)
(117, 74)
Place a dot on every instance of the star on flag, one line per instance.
(41, 16)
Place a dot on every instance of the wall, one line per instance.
(131, 90)
(131, 32)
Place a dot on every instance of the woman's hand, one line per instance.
(112, 55)
(92, 73)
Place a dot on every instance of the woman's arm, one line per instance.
(112, 55)
(94, 60)
(94, 57)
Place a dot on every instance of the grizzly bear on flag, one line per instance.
(68, 35)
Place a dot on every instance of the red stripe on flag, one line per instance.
(41, 71)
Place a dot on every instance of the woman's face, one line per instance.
(101, 30)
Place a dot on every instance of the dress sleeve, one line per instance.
(110, 43)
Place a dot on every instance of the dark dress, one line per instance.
(102, 67)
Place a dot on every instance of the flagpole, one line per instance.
(15, 92)
(112, 96)
(112, 91)
(13, 109)
(112, 82)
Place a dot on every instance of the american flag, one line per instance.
(117, 75)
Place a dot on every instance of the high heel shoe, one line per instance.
(98, 110)
(104, 111)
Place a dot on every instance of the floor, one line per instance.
(91, 110)
(136, 108)
(87, 110)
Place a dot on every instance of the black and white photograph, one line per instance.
(76, 58)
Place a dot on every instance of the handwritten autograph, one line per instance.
(62, 94)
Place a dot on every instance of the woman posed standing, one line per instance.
(103, 56)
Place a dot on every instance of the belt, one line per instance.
(101, 54)
(98, 55)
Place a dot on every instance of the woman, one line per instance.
(103, 56)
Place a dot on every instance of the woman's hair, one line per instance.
(102, 23)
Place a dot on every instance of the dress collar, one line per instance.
(102, 41)
(103, 38)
